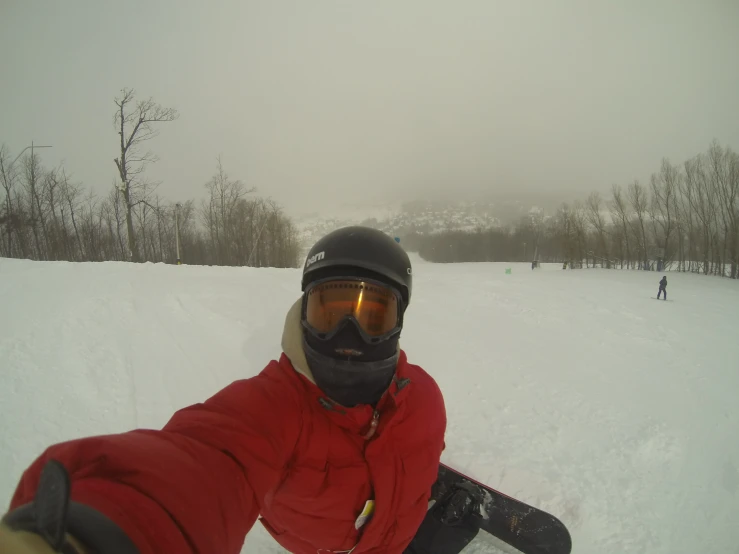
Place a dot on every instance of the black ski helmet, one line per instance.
(361, 248)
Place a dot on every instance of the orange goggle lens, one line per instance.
(373, 306)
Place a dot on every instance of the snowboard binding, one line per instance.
(460, 502)
(452, 521)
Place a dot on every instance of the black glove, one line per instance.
(51, 515)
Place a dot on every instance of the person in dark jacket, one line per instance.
(662, 287)
(334, 447)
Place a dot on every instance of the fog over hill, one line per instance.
(428, 216)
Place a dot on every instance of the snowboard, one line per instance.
(461, 507)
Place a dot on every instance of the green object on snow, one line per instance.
(508, 271)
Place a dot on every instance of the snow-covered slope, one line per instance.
(573, 390)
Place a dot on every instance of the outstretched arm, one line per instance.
(192, 487)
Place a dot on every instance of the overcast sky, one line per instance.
(319, 102)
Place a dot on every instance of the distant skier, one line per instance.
(662, 287)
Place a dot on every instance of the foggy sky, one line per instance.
(322, 102)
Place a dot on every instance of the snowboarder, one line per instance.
(662, 287)
(342, 431)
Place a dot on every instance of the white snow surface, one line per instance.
(576, 391)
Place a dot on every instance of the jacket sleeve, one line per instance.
(192, 487)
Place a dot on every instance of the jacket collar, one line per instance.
(292, 341)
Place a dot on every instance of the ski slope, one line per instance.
(576, 391)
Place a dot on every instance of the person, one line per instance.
(335, 446)
(662, 287)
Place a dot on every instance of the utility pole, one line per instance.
(26, 148)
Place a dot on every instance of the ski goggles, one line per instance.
(374, 306)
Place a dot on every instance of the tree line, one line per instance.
(45, 215)
(686, 218)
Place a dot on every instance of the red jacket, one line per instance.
(272, 446)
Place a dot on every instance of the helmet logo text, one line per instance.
(313, 259)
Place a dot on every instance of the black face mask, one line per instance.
(347, 369)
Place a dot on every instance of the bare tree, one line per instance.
(8, 217)
(580, 226)
(598, 222)
(731, 200)
(619, 213)
(32, 174)
(70, 193)
(91, 232)
(722, 169)
(220, 217)
(701, 198)
(684, 222)
(665, 187)
(135, 122)
(639, 202)
(566, 228)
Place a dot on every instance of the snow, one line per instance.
(573, 390)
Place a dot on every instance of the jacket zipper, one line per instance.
(373, 425)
